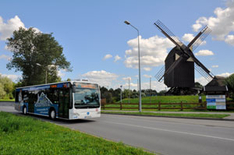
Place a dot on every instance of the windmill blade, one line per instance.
(203, 73)
(198, 63)
(175, 63)
(159, 75)
(168, 34)
(200, 37)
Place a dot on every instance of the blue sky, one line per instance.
(102, 48)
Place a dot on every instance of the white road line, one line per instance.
(166, 130)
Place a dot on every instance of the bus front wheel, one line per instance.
(52, 114)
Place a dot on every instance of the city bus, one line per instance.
(64, 100)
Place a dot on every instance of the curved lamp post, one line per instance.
(45, 73)
(139, 62)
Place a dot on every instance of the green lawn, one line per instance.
(187, 115)
(166, 99)
(25, 135)
(161, 99)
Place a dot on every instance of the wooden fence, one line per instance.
(159, 106)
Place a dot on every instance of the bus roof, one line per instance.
(49, 84)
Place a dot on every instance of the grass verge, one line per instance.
(191, 115)
(26, 135)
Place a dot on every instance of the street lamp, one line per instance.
(139, 62)
(46, 72)
(121, 93)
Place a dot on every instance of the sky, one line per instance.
(103, 49)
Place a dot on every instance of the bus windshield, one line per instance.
(86, 96)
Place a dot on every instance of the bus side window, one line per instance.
(16, 96)
(55, 96)
(25, 96)
(71, 100)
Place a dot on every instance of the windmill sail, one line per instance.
(159, 75)
(199, 38)
(168, 33)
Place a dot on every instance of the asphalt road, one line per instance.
(169, 136)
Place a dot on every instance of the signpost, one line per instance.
(217, 102)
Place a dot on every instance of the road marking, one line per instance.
(173, 131)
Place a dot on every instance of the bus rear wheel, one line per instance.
(52, 114)
(24, 110)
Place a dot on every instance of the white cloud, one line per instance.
(153, 51)
(155, 85)
(102, 77)
(222, 24)
(117, 58)
(108, 56)
(12, 77)
(6, 29)
(147, 76)
(203, 81)
(6, 57)
(215, 66)
(132, 86)
(127, 78)
(147, 68)
(188, 37)
(224, 74)
(230, 39)
(204, 53)
(61, 73)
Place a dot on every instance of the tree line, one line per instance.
(114, 95)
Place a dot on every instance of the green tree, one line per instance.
(230, 83)
(37, 55)
(2, 92)
(108, 96)
(198, 85)
(162, 92)
(6, 87)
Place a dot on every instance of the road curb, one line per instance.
(200, 118)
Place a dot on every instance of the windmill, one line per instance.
(178, 72)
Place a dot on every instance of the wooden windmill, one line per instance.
(181, 62)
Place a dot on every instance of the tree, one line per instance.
(162, 92)
(2, 92)
(6, 87)
(198, 85)
(230, 83)
(108, 96)
(37, 55)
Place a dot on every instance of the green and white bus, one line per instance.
(64, 100)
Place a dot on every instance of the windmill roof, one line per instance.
(217, 84)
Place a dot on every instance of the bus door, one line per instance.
(64, 100)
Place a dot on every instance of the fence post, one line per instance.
(181, 106)
(159, 106)
(103, 102)
(121, 106)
